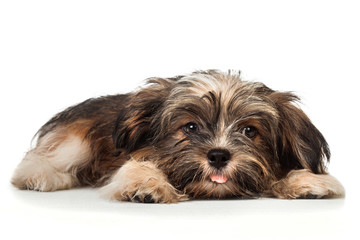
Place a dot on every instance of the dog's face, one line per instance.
(216, 136)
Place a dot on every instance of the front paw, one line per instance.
(148, 198)
(151, 191)
(310, 196)
(302, 184)
(141, 182)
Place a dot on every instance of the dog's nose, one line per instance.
(218, 157)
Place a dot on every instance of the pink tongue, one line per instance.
(218, 178)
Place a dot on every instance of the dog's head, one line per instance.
(217, 136)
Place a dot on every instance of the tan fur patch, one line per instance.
(50, 165)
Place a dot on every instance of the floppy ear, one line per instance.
(134, 126)
(300, 143)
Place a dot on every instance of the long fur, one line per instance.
(125, 142)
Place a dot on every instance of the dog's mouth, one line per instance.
(218, 178)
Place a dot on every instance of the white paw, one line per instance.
(141, 182)
(42, 178)
(304, 184)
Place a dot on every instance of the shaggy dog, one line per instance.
(206, 135)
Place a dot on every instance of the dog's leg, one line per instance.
(52, 164)
(305, 184)
(140, 181)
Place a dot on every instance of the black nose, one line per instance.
(218, 157)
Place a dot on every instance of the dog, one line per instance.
(205, 135)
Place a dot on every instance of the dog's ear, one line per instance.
(134, 126)
(300, 143)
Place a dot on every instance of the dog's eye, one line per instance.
(190, 127)
(249, 131)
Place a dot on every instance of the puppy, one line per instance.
(207, 135)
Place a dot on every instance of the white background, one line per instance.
(57, 53)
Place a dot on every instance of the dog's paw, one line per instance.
(153, 194)
(142, 199)
(310, 196)
(302, 184)
(43, 179)
(141, 182)
(47, 183)
(149, 191)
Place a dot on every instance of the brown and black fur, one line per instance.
(283, 155)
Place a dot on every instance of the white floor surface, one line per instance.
(82, 214)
